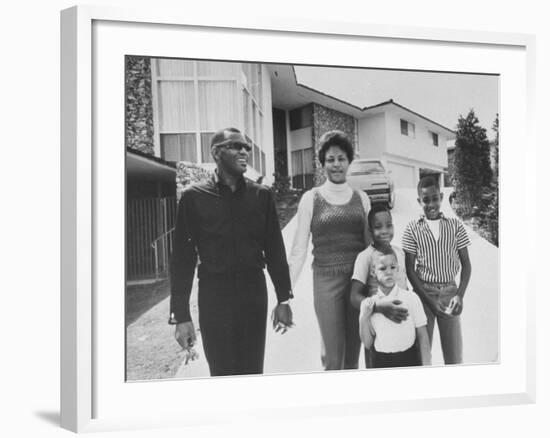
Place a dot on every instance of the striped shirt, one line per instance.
(437, 261)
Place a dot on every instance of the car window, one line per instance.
(368, 167)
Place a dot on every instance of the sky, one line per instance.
(441, 97)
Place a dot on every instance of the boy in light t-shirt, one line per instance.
(396, 344)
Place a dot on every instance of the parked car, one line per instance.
(370, 175)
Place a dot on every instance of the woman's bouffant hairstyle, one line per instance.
(338, 139)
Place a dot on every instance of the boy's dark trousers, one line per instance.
(232, 319)
(407, 358)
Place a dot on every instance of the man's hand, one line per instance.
(185, 334)
(392, 310)
(282, 318)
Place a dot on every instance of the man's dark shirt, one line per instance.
(229, 232)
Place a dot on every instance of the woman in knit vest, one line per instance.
(334, 215)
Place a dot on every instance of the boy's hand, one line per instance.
(456, 305)
(437, 308)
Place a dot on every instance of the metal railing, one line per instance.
(162, 247)
(149, 224)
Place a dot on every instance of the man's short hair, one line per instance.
(376, 208)
(428, 181)
(335, 138)
(219, 136)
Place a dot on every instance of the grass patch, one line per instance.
(151, 350)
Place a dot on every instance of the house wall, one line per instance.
(419, 148)
(326, 119)
(139, 105)
(372, 136)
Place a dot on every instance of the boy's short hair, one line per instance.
(383, 251)
(376, 208)
(338, 139)
(428, 181)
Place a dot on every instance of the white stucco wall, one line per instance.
(380, 137)
(418, 148)
(372, 136)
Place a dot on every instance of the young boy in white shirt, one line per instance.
(396, 344)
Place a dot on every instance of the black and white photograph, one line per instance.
(286, 218)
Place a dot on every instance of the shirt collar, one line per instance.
(332, 187)
(216, 180)
(392, 294)
(441, 216)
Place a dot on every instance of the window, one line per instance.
(263, 171)
(435, 138)
(178, 147)
(196, 98)
(302, 168)
(206, 138)
(407, 128)
(217, 104)
(252, 116)
(256, 154)
(301, 117)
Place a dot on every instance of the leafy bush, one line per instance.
(281, 184)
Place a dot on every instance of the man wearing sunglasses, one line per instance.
(230, 224)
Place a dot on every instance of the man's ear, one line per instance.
(441, 194)
(419, 202)
(215, 152)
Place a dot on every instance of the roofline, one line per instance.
(391, 101)
(387, 102)
(157, 160)
(298, 84)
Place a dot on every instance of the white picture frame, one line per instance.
(90, 401)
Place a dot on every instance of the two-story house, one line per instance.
(174, 106)
(409, 143)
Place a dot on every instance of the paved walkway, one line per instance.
(298, 349)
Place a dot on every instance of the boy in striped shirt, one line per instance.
(436, 249)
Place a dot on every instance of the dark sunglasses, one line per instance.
(233, 145)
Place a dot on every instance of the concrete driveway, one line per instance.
(298, 350)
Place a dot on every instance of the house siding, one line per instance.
(139, 105)
(372, 136)
(419, 147)
(326, 119)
